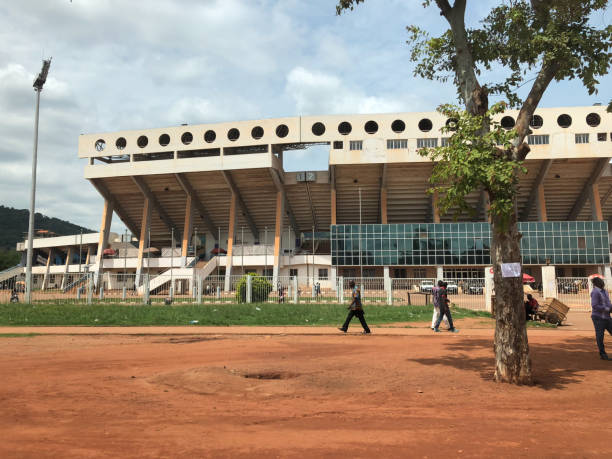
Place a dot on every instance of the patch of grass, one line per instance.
(215, 314)
(18, 335)
(532, 324)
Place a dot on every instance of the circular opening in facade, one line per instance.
(121, 143)
(100, 144)
(318, 128)
(345, 128)
(564, 121)
(536, 122)
(142, 141)
(282, 130)
(425, 125)
(451, 124)
(187, 138)
(371, 127)
(257, 132)
(507, 122)
(210, 136)
(593, 119)
(164, 140)
(398, 126)
(233, 134)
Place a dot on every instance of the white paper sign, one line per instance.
(511, 269)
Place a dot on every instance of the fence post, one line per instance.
(389, 289)
(314, 288)
(295, 290)
(146, 293)
(249, 289)
(199, 290)
(218, 292)
(124, 293)
(341, 289)
(90, 282)
(78, 293)
(102, 289)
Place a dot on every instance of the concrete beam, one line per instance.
(280, 187)
(106, 194)
(598, 170)
(107, 217)
(147, 193)
(332, 182)
(183, 181)
(383, 195)
(595, 200)
(533, 196)
(230, 242)
(278, 232)
(435, 210)
(605, 197)
(143, 239)
(236, 192)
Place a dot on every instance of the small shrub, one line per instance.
(261, 289)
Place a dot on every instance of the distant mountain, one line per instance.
(14, 226)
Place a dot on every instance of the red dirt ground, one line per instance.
(198, 392)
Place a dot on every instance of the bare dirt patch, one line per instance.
(299, 396)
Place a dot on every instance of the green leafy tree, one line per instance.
(553, 39)
(260, 285)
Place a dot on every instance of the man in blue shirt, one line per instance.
(600, 305)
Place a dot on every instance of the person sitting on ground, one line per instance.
(531, 307)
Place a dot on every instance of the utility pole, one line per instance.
(38, 86)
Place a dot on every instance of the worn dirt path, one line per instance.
(296, 392)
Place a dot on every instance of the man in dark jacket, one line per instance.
(444, 309)
(356, 309)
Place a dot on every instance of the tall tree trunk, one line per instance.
(512, 362)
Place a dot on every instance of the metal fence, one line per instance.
(89, 288)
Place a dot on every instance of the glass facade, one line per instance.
(416, 244)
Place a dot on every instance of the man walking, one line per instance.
(444, 309)
(356, 309)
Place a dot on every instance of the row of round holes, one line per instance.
(344, 128)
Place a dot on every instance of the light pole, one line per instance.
(38, 86)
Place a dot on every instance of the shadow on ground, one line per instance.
(555, 365)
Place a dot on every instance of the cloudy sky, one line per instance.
(142, 64)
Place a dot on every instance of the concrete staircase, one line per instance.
(202, 270)
(11, 272)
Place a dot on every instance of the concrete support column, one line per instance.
(596, 213)
(333, 277)
(107, 217)
(388, 285)
(333, 207)
(278, 231)
(88, 256)
(439, 273)
(143, 240)
(607, 274)
(489, 288)
(187, 227)
(434, 207)
(541, 204)
(383, 206)
(45, 283)
(230, 243)
(66, 267)
(549, 282)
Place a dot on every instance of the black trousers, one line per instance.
(359, 314)
(601, 325)
(445, 311)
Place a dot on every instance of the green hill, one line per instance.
(14, 226)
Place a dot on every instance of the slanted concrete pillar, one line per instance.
(333, 206)
(549, 282)
(88, 256)
(107, 217)
(66, 267)
(596, 213)
(230, 243)
(383, 206)
(541, 204)
(278, 231)
(143, 240)
(435, 210)
(45, 283)
(187, 227)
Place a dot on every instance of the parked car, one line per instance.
(452, 287)
(569, 287)
(426, 286)
(475, 290)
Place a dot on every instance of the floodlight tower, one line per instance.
(38, 86)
